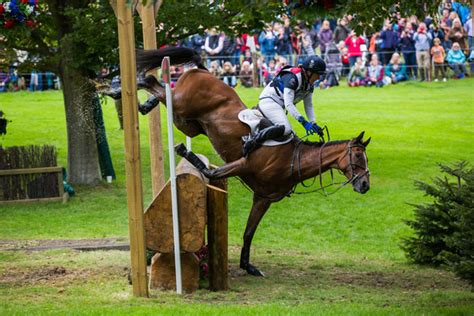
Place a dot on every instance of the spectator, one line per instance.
(342, 31)
(358, 73)
(228, 74)
(34, 81)
(395, 71)
(21, 83)
(445, 17)
(283, 43)
(325, 36)
(215, 69)
(345, 61)
(213, 46)
(248, 55)
(422, 46)
(438, 54)
(457, 34)
(389, 42)
(270, 71)
(456, 60)
(305, 45)
(3, 80)
(437, 32)
(462, 10)
(374, 73)
(49, 78)
(246, 75)
(470, 42)
(354, 42)
(12, 80)
(267, 41)
(407, 47)
(229, 50)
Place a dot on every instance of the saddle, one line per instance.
(257, 122)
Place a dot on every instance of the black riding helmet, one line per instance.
(314, 64)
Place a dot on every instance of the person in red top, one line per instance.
(353, 43)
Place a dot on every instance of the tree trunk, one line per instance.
(83, 163)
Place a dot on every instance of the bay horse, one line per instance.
(203, 104)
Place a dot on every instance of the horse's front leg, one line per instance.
(232, 169)
(259, 208)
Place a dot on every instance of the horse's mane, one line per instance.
(319, 144)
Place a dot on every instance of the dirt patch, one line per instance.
(56, 275)
(401, 280)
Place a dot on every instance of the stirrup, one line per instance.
(249, 144)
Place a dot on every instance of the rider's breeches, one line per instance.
(275, 113)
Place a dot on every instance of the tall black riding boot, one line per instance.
(252, 142)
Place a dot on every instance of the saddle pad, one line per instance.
(252, 118)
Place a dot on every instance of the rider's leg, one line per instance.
(275, 113)
(281, 128)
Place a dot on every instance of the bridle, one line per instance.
(322, 188)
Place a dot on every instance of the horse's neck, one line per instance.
(316, 160)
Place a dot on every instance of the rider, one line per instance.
(291, 85)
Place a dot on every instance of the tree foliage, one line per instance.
(444, 229)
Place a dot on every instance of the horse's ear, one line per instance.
(366, 143)
(359, 138)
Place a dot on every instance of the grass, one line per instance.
(336, 255)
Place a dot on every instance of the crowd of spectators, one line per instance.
(11, 81)
(405, 48)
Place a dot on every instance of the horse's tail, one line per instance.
(151, 59)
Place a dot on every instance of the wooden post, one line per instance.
(255, 71)
(147, 15)
(132, 147)
(217, 235)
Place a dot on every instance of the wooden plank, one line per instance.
(50, 199)
(10, 172)
(192, 203)
(217, 235)
(132, 148)
(163, 276)
(157, 166)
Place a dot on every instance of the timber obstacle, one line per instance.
(200, 201)
(126, 34)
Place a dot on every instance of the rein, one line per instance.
(322, 189)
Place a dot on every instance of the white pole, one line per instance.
(188, 143)
(174, 195)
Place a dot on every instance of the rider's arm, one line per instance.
(288, 98)
(308, 107)
(290, 84)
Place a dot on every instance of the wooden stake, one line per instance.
(147, 14)
(217, 235)
(132, 148)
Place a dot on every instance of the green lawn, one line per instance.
(321, 255)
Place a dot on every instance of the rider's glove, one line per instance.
(311, 127)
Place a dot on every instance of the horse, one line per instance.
(203, 104)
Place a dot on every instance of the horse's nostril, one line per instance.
(365, 184)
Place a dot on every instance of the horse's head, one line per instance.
(354, 164)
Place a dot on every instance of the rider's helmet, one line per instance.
(314, 64)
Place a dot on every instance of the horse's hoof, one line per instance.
(254, 271)
(181, 150)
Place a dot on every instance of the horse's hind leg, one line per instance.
(153, 86)
(259, 208)
(234, 168)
